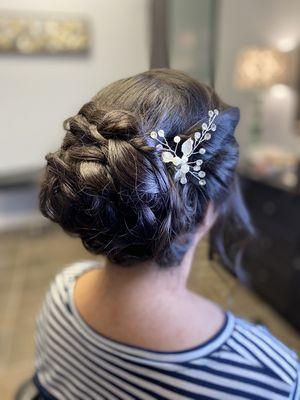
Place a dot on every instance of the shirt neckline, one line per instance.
(201, 350)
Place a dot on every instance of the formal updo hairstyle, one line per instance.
(108, 185)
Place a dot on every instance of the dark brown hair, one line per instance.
(108, 185)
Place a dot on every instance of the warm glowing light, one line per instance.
(280, 91)
(260, 67)
(287, 44)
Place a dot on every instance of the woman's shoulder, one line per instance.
(70, 273)
(58, 292)
(260, 333)
(77, 268)
(261, 349)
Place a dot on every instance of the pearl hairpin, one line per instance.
(188, 148)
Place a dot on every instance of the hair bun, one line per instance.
(114, 124)
(119, 196)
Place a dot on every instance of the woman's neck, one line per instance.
(147, 306)
(147, 277)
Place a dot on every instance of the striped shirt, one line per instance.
(241, 361)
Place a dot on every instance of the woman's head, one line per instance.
(108, 184)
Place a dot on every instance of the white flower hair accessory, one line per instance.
(188, 148)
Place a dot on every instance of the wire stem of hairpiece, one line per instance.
(166, 143)
(204, 132)
(176, 147)
(193, 173)
(192, 162)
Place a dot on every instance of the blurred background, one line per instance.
(54, 56)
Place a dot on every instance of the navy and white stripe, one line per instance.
(242, 361)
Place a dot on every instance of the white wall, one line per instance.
(267, 23)
(38, 93)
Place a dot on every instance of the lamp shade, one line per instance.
(260, 67)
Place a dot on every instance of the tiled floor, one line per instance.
(29, 260)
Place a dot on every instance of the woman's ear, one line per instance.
(208, 222)
(210, 217)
